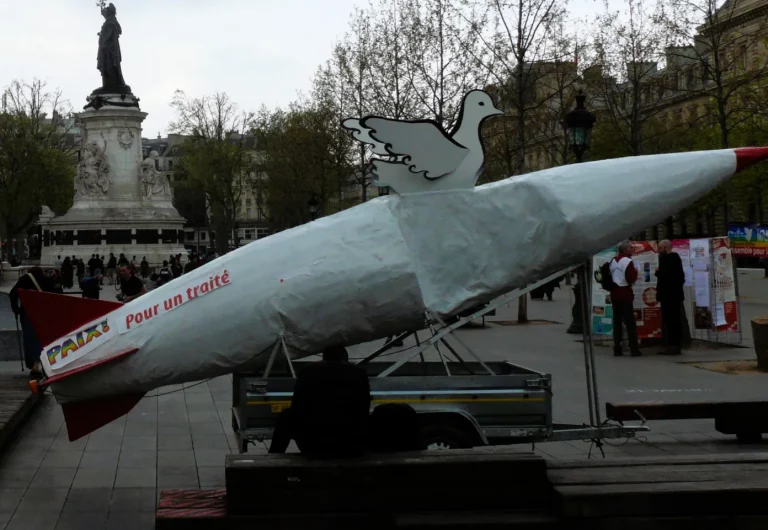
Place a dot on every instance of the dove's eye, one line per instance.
(481, 103)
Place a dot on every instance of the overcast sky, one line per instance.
(259, 52)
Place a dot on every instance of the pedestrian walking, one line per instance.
(669, 292)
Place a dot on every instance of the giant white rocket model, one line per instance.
(439, 245)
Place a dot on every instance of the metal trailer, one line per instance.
(459, 403)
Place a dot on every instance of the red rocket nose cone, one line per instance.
(747, 156)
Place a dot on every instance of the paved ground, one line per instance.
(111, 479)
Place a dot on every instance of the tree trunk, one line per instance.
(522, 309)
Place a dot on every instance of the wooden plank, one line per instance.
(16, 403)
(740, 497)
(741, 411)
(718, 522)
(746, 458)
(408, 481)
(656, 474)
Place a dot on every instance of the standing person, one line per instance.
(67, 273)
(191, 264)
(144, 268)
(58, 263)
(122, 261)
(131, 286)
(111, 267)
(34, 280)
(80, 271)
(176, 268)
(92, 265)
(91, 287)
(669, 292)
(330, 409)
(624, 275)
(165, 274)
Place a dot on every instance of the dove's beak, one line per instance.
(496, 112)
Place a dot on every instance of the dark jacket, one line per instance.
(331, 404)
(25, 282)
(671, 277)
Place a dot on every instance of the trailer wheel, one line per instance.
(441, 437)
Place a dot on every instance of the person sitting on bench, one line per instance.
(329, 413)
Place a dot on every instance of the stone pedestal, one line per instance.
(120, 206)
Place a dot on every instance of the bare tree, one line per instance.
(719, 51)
(629, 47)
(218, 156)
(37, 150)
(518, 57)
(392, 93)
(441, 56)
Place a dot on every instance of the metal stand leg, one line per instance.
(589, 356)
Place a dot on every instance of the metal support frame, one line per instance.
(596, 430)
(589, 353)
(446, 329)
(273, 356)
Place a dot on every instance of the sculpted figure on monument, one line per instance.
(92, 173)
(154, 185)
(109, 57)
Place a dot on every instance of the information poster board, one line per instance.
(724, 286)
(708, 268)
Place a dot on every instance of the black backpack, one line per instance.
(604, 278)
(165, 275)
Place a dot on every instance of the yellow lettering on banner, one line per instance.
(277, 408)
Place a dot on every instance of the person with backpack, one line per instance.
(164, 274)
(617, 277)
(34, 280)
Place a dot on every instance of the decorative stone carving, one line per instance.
(154, 185)
(125, 137)
(92, 173)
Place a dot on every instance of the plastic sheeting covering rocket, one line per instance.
(359, 275)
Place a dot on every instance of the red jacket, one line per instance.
(624, 293)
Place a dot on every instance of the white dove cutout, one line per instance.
(423, 157)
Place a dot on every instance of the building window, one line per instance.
(744, 57)
(248, 201)
(261, 232)
(247, 213)
(249, 233)
(170, 165)
(202, 236)
(190, 236)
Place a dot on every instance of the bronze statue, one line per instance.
(108, 59)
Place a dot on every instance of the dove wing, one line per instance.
(424, 146)
(361, 134)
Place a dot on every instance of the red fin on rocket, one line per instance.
(55, 315)
(84, 417)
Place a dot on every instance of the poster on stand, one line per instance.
(602, 312)
(748, 240)
(723, 283)
(683, 249)
(699, 254)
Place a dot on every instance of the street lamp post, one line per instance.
(578, 131)
(313, 206)
(578, 127)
